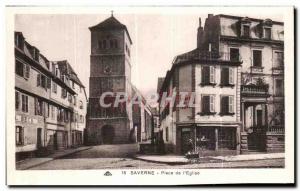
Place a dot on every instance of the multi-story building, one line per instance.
(111, 72)
(260, 43)
(44, 103)
(142, 118)
(236, 72)
(212, 125)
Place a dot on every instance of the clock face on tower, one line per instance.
(107, 69)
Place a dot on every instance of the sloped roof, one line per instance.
(66, 68)
(110, 23)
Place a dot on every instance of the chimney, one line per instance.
(210, 15)
(200, 34)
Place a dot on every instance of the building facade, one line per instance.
(236, 73)
(111, 72)
(260, 43)
(45, 102)
(212, 125)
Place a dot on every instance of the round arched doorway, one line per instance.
(108, 134)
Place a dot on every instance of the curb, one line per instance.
(213, 161)
(51, 159)
(162, 162)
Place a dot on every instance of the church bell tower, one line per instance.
(110, 71)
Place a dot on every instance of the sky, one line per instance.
(157, 39)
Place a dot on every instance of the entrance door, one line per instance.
(256, 139)
(107, 134)
(259, 118)
(39, 138)
(186, 140)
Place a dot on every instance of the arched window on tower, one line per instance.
(111, 42)
(116, 43)
(104, 44)
(100, 46)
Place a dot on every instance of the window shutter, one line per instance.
(49, 83)
(22, 135)
(27, 71)
(23, 103)
(38, 79)
(35, 106)
(230, 104)
(17, 103)
(26, 103)
(231, 76)
(212, 74)
(212, 103)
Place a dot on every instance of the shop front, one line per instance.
(210, 140)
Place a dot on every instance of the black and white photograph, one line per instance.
(139, 92)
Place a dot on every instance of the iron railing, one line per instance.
(257, 90)
(201, 55)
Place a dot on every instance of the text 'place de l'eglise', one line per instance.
(236, 72)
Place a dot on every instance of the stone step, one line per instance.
(275, 150)
(275, 146)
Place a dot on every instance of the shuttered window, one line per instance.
(231, 76)
(24, 103)
(27, 71)
(227, 105)
(54, 87)
(38, 80)
(225, 76)
(212, 103)
(17, 100)
(19, 135)
(49, 83)
(212, 74)
(208, 75)
(39, 107)
(231, 105)
(208, 104)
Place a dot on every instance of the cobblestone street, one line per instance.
(120, 157)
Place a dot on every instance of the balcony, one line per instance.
(205, 55)
(255, 90)
(276, 129)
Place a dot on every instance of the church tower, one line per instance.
(110, 71)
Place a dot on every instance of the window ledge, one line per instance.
(258, 67)
(207, 113)
(227, 85)
(208, 84)
(227, 113)
(278, 68)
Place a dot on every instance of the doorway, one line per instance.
(108, 134)
(187, 140)
(39, 138)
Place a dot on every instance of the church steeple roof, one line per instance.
(110, 23)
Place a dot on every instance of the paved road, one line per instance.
(119, 156)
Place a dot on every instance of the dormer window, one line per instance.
(246, 30)
(267, 32)
(245, 27)
(36, 54)
(266, 29)
(19, 41)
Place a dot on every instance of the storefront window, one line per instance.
(226, 138)
(205, 138)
